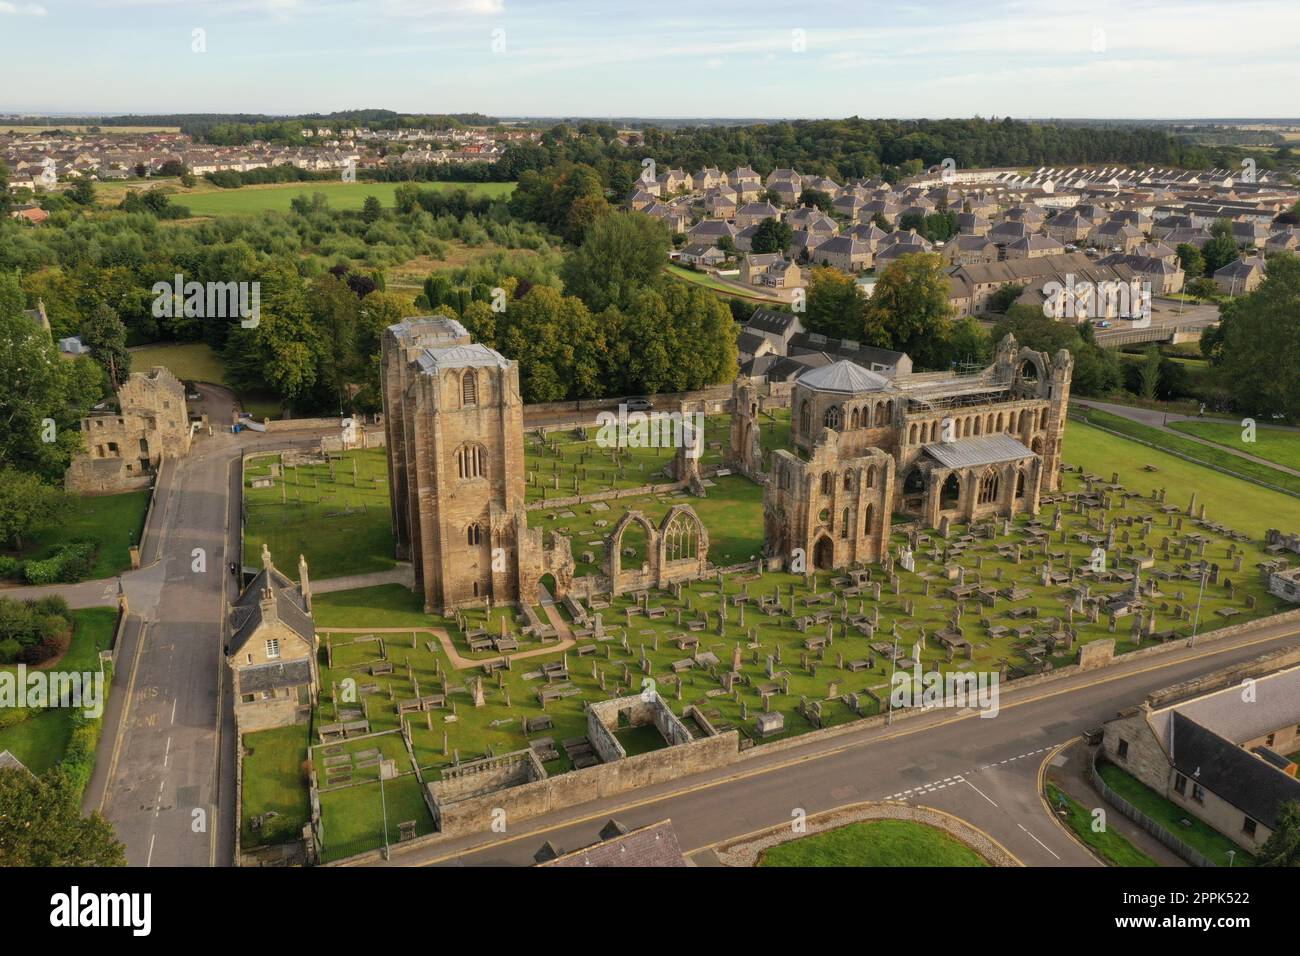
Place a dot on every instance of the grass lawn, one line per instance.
(1202, 453)
(335, 516)
(563, 464)
(273, 781)
(1229, 500)
(874, 843)
(251, 200)
(40, 741)
(116, 521)
(709, 282)
(353, 817)
(1276, 444)
(1199, 836)
(1112, 847)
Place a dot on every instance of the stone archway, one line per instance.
(642, 573)
(682, 547)
(824, 554)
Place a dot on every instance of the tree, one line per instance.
(1190, 258)
(1282, 848)
(27, 504)
(82, 192)
(371, 209)
(817, 197)
(908, 311)
(41, 825)
(105, 335)
(1258, 356)
(1221, 249)
(5, 202)
(772, 235)
(621, 254)
(1149, 373)
(835, 306)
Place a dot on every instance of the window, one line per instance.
(832, 417)
(844, 524)
(1198, 793)
(1180, 785)
(828, 483)
(1248, 826)
(1268, 742)
(272, 649)
(1122, 751)
(469, 388)
(805, 417)
(474, 535)
(471, 461)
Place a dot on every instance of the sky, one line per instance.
(594, 58)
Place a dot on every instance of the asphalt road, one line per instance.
(165, 768)
(982, 770)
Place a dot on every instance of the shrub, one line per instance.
(9, 651)
(10, 567)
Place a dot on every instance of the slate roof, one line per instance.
(654, 845)
(979, 450)
(844, 376)
(1230, 773)
(9, 762)
(272, 676)
(1276, 704)
(769, 320)
(246, 611)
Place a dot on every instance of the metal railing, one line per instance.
(1145, 822)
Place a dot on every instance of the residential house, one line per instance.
(844, 253)
(1218, 756)
(703, 254)
(972, 224)
(743, 174)
(1033, 247)
(711, 232)
(1069, 228)
(965, 249)
(751, 214)
(1241, 276)
(271, 650)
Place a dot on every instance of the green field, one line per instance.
(251, 200)
(874, 843)
(1112, 847)
(115, 521)
(1207, 454)
(273, 783)
(41, 740)
(709, 282)
(1278, 445)
(336, 514)
(1242, 505)
(1199, 836)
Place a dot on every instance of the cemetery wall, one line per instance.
(660, 489)
(268, 714)
(593, 783)
(1232, 674)
(301, 424)
(713, 394)
(1096, 654)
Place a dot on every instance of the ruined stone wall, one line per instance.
(593, 783)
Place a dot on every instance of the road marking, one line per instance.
(149, 861)
(1103, 678)
(1038, 841)
(980, 792)
(167, 752)
(174, 700)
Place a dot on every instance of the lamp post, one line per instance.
(1196, 620)
(893, 666)
(383, 803)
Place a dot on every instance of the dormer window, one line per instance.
(273, 649)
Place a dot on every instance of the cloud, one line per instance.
(22, 9)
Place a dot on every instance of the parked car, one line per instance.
(639, 404)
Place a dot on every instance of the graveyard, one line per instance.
(1116, 555)
(333, 509)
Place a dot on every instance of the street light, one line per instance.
(1205, 573)
(383, 803)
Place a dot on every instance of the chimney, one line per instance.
(270, 611)
(304, 582)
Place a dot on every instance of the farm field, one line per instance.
(251, 200)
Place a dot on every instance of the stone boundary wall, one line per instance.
(714, 393)
(566, 790)
(747, 850)
(573, 500)
(662, 766)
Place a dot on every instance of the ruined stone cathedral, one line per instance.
(453, 417)
(932, 446)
